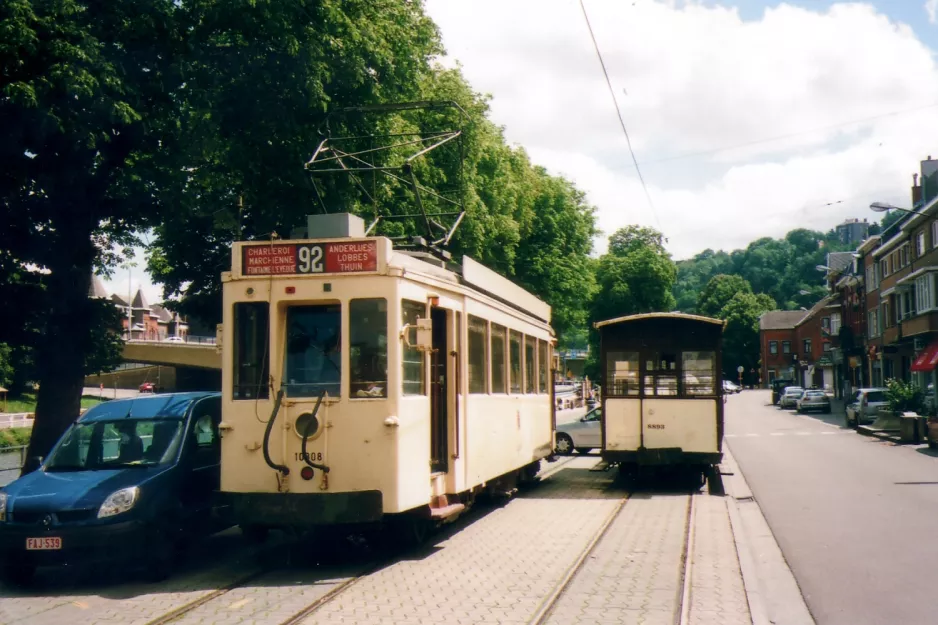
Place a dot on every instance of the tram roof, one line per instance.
(658, 315)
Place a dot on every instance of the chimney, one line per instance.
(916, 191)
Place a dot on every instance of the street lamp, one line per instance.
(882, 207)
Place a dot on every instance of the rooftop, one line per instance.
(780, 319)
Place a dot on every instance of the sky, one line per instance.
(747, 118)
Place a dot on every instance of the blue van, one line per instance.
(131, 480)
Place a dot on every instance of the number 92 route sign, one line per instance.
(309, 258)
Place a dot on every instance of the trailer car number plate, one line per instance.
(45, 543)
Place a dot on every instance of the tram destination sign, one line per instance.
(309, 258)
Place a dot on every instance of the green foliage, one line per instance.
(903, 396)
(14, 437)
(718, 292)
(6, 365)
(741, 334)
(780, 268)
(635, 276)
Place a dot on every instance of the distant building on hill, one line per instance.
(853, 231)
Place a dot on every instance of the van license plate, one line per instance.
(45, 543)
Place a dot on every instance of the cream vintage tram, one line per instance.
(362, 381)
(662, 400)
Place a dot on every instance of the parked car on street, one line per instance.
(147, 387)
(131, 481)
(583, 435)
(862, 408)
(790, 397)
(778, 388)
(174, 339)
(814, 400)
(731, 387)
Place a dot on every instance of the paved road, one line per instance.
(854, 516)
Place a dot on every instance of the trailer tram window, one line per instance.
(368, 347)
(515, 360)
(478, 356)
(314, 350)
(661, 374)
(698, 373)
(251, 350)
(530, 361)
(499, 354)
(413, 370)
(542, 359)
(621, 374)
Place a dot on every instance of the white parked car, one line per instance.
(731, 387)
(790, 397)
(174, 339)
(582, 435)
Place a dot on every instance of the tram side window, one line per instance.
(698, 372)
(499, 359)
(530, 362)
(661, 374)
(622, 373)
(515, 361)
(478, 356)
(542, 360)
(368, 347)
(314, 351)
(251, 353)
(413, 370)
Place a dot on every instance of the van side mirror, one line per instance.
(32, 464)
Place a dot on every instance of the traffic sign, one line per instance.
(740, 369)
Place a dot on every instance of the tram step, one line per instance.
(447, 512)
(601, 466)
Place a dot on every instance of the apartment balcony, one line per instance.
(920, 324)
(891, 335)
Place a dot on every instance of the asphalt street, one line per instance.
(853, 515)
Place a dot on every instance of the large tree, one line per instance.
(718, 292)
(86, 100)
(741, 334)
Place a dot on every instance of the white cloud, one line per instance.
(931, 7)
(699, 78)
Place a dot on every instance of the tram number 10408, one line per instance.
(310, 455)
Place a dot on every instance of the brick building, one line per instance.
(777, 344)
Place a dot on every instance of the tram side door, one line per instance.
(439, 396)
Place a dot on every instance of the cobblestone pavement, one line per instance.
(717, 594)
(634, 574)
(499, 565)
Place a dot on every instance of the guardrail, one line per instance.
(16, 420)
(12, 460)
(194, 340)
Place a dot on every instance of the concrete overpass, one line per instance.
(196, 355)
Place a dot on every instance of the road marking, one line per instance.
(752, 435)
(729, 436)
(802, 433)
(830, 433)
(777, 434)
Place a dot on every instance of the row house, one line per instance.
(880, 318)
(145, 321)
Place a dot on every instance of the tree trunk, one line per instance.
(60, 358)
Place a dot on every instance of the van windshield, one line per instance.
(115, 444)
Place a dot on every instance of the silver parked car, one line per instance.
(582, 435)
(814, 400)
(790, 397)
(862, 408)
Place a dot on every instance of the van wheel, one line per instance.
(18, 575)
(564, 444)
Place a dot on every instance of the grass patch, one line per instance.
(27, 402)
(14, 437)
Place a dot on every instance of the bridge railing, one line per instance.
(193, 340)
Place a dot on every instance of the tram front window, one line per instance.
(368, 347)
(314, 351)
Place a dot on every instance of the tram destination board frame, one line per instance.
(280, 259)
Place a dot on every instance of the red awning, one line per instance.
(927, 360)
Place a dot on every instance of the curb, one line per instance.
(866, 430)
(771, 588)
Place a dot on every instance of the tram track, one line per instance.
(683, 598)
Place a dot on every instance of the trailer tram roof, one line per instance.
(658, 315)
